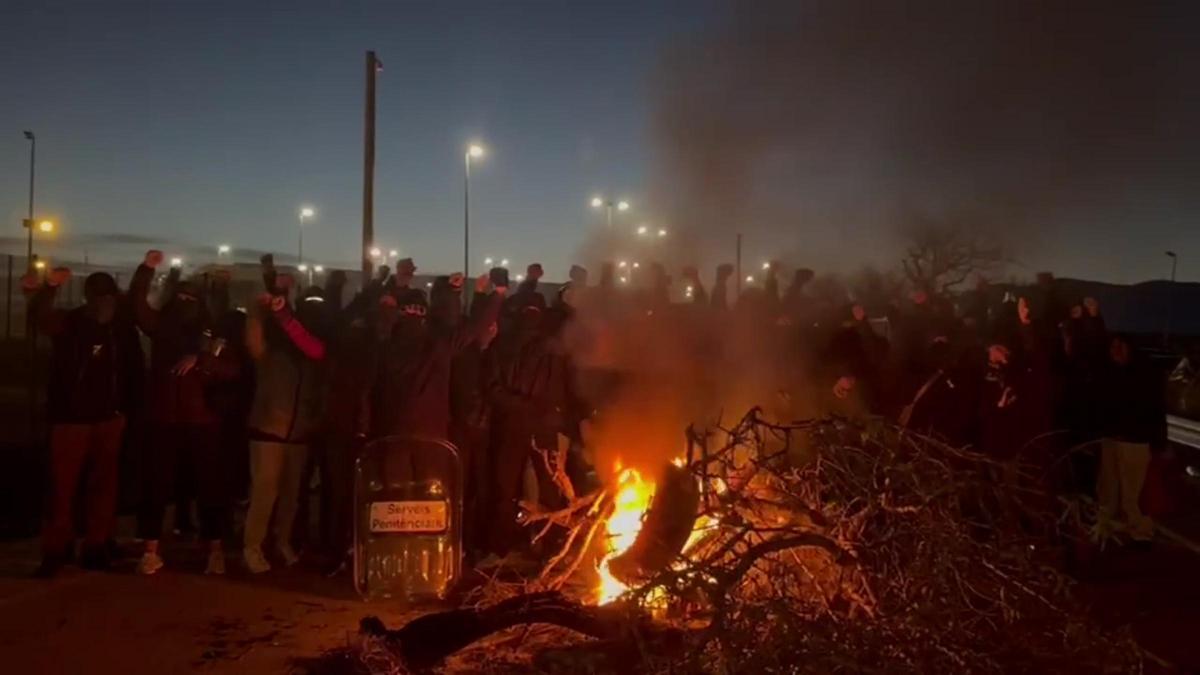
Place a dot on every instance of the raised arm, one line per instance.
(477, 324)
(40, 299)
(145, 315)
(308, 343)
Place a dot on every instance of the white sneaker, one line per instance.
(216, 563)
(150, 563)
(288, 554)
(255, 562)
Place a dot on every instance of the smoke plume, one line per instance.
(813, 127)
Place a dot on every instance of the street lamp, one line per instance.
(662, 231)
(487, 262)
(504, 262)
(1170, 297)
(224, 249)
(375, 253)
(608, 205)
(176, 262)
(394, 254)
(305, 212)
(642, 231)
(474, 151)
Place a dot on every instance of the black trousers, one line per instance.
(169, 448)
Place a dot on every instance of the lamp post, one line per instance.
(608, 205)
(474, 151)
(224, 251)
(29, 221)
(1170, 297)
(305, 212)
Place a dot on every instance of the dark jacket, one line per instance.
(287, 401)
(172, 398)
(96, 369)
(411, 393)
(1135, 403)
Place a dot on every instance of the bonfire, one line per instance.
(815, 546)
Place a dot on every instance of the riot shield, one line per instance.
(408, 496)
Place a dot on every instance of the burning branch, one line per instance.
(815, 546)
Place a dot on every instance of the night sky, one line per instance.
(201, 123)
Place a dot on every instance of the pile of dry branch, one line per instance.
(823, 546)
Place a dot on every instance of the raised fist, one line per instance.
(534, 271)
(267, 261)
(153, 258)
(58, 276)
(456, 281)
(724, 271)
(278, 303)
(481, 282)
(382, 273)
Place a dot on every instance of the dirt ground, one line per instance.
(180, 621)
(177, 621)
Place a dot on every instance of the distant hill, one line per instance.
(1139, 308)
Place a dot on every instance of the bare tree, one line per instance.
(943, 253)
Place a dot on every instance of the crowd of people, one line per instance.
(299, 382)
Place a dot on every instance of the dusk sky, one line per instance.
(201, 123)
(213, 122)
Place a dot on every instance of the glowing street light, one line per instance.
(504, 263)
(394, 254)
(766, 265)
(177, 262)
(520, 278)
(303, 267)
(319, 269)
(608, 205)
(41, 264)
(474, 151)
(642, 230)
(662, 231)
(306, 212)
(487, 262)
(224, 249)
(376, 253)
(636, 265)
(624, 280)
(750, 279)
(622, 264)
(46, 226)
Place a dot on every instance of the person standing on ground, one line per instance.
(96, 367)
(283, 415)
(1134, 422)
(186, 359)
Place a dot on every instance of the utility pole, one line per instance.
(368, 224)
(1170, 299)
(738, 271)
(29, 220)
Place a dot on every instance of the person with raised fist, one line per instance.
(283, 416)
(187, 359)
(96, 370)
